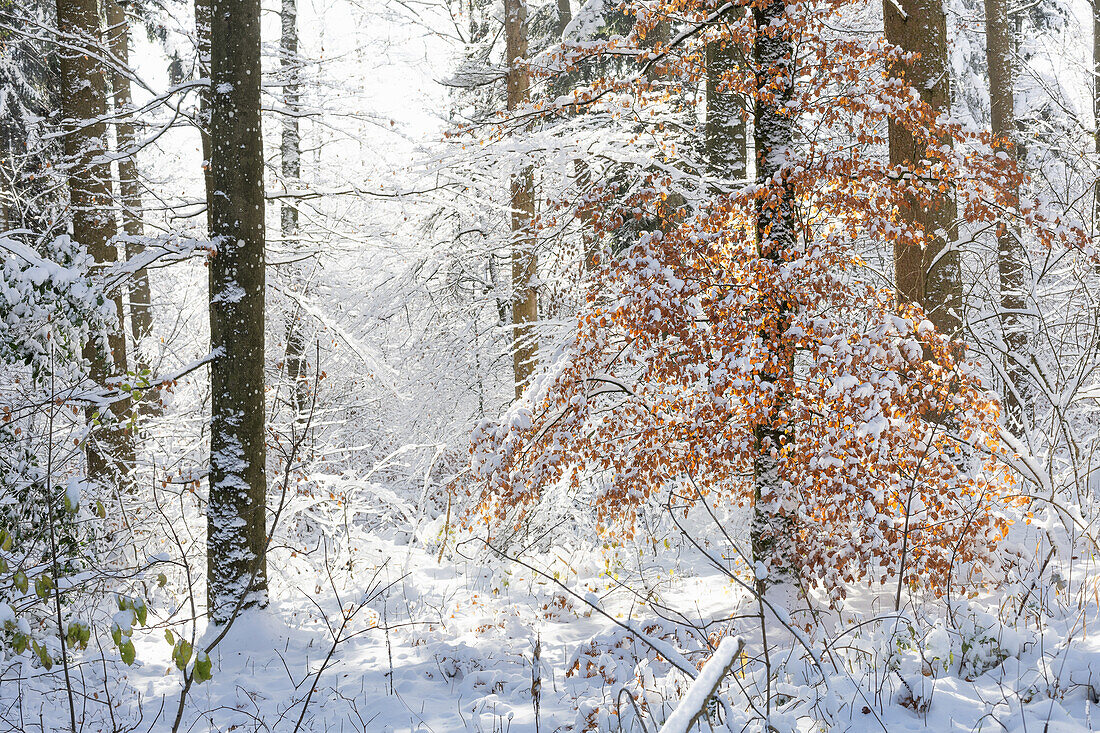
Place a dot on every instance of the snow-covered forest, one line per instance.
(565, 365)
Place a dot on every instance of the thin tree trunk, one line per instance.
(772, 531)
(1096, 110)
(236, 514)
(930, 275)
(141, 309)
(1000, 49)
(582, 173)
(525, 309)
(291, 170)
(110, 453)
(202, 35)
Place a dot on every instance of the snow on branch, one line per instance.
(705, 685)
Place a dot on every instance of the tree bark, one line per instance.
(565, 15)
(590, 241)
(772, 531)
(236, 513)
(291, 171)
(582, 173)
(1000, 48)
(110, 451)
(525, 309)
(202, 35)
(671, 209)
(725, 135)
(930, 275)
(141, 308)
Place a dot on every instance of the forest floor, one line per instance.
(398, 636)
(458, 645)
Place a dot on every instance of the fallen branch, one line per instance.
(694, 703)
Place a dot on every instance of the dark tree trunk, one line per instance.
(525, 309)
(930, 275)
(1000, 48)
(671, 209)
(589, 239)
(726, 136)
(236, 514)
(110, 451)
(776, 235)
(565, 15)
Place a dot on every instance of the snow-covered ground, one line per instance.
(375, 626)
(405, 641)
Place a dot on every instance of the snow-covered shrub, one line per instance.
(53, 312)
(49, 306)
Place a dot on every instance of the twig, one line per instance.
(53, 549)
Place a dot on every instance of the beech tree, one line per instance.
(747, 353)
(739, 407)
(776, 235)
(582, 172)
(525, 308)
(110, 451)
(1012, 265)
(931, 272)
(236, 511)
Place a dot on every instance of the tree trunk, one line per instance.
(671, 209)
(1000, 48)
(110, 452)
(236, 514)
(930, 275)
(590, 241)
(141, 309)
(582, 173)
(202, 35)
(772, 532)
(565, 15)
(658, 36)
(291, 171)
(1096, 111)
(525, 310)
(725, 136)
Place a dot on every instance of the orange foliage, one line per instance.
(696, 336)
